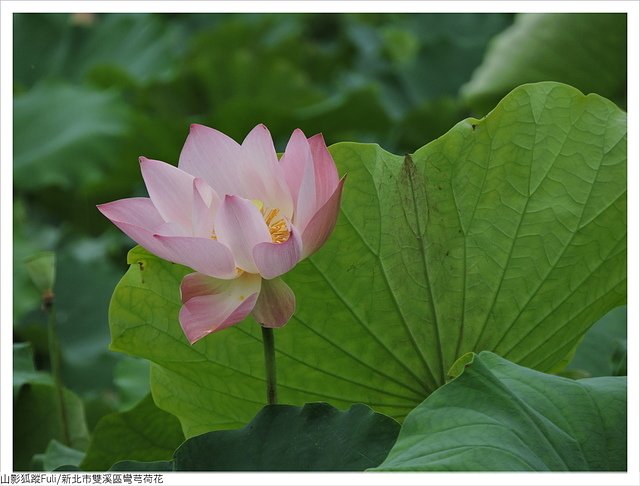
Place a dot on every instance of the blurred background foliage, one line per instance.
(93, 92)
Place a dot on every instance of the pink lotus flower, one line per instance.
(239, 217)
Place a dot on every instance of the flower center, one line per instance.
(276, 223)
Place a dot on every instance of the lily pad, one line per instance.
(316, 437)
(498, 416)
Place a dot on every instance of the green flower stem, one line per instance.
(270, 364)
(54, 356)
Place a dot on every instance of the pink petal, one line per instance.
(322, 223)
(306, 205)
(325, 169)
(274, 259)
(262, 173)
(250, 171)
(210, 305)
(204, 255)
(171, 229)
(240, 226)
(297, 155)
(275, 305)
(258, 146)
(214, 157)
(139, 220)
(205, 205)
(170, 190)
(318, 178)
(138, 211)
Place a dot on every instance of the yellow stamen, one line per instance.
(270, 216)
(277, 225)
(278, 228)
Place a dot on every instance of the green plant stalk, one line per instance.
(270, 364)
(54, 356)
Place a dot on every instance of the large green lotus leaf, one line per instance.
(144, 433)
(316, 437)
(585, 50)
(506, 234)
(498, 416)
